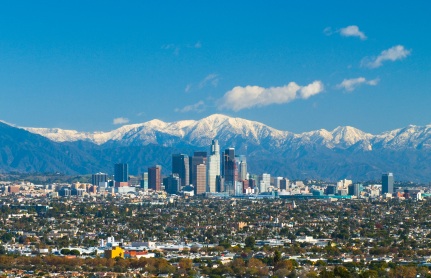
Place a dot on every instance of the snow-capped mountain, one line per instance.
(198, 132)
(345, 152)
(203, 131)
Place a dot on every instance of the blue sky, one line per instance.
(294, 65)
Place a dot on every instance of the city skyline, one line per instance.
(289, 65)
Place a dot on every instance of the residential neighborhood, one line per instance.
(149, 233)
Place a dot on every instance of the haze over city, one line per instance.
(293, 66)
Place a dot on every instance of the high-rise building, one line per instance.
(198, 158)
(230, 171)
(238, 188)
(245, 185)
(200, 172)
(180, 166)
(121, 172)
(172, 184)
(252, 183)
(242, 167)
(65, 191)
(154, 177)
(355, 189)
(98, 178)
(331, 189)
(343, 184)
(284, 184)
(387, 183)
(265, 182)
(213, 166)
(144, 181)
(220, 184)
(277, 182)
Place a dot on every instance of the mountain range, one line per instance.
(345, 152)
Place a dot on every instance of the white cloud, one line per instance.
(176, 48)
(349, 31)
(212, 79)
(254, 96)
(197, 107)
(311, 90)
(328, 31)
(395, 53)
(352, 31)
(351, 84)
(120, 121)
(188, 88)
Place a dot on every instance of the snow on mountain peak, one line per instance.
(349, 135)
(225, 128)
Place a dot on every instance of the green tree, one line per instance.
(75, 252)
(342, 272)
(6, 237)
(277, 256)
(250, 242)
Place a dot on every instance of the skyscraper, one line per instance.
(213, 169)
(265, 182)
(198, 158)
(121, 172)
(220, 184)
(98, 178)
(144, 181)
(284, 184)
(242, 167)
(154, 178)
(201, 179)
(230, 171)
(172, 184)
(387, 183)
(180, 166)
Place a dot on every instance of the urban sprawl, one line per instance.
(211, 218)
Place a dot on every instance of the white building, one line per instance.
(343, 184)
(265, 182)
(213, 169)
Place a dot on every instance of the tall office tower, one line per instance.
(245, 185)
(98, 178)
(387, 183)
(172, 184)
(238, 188)
(198, 158)
(121, 172)
(144, 181)
(201, 179)
(284, 184)
(213, 169)
(242, 167)
(180, 166)
(265, 182)
(355, 189)
(252, 183)
(133, 180)
(331, 189)
(219, 184)
(277, 181)
(154, 177)
(230, 171)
